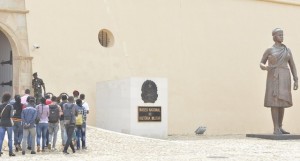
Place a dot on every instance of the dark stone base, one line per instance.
(274, 137)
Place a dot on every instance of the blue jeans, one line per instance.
(41, 130)
(18, 132)
(9, 131)
(80, 135)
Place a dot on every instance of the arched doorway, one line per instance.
(6, 65)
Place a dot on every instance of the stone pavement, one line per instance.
(105, 145)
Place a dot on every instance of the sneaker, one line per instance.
(38, 148)
(23, 152)
(19, 147)
(65, 152)
(33, 152)
(84, 147)
(12, 154)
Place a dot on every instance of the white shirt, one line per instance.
(24, 99)
(85, 105)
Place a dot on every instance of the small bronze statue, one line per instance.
(278, 94)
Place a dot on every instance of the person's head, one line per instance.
(30, 100)
(79, 102)
(6, 97)
(35, 75)
(54, 99)
(27, 91)
(47, 96)
(18, 98)
(277, 34)
(75, 93)
(82, 96)
(43, 100)
(64, 97)
(71, 99)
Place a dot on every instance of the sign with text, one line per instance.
(149, 114)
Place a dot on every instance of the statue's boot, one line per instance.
(284, 132)
(277, 132)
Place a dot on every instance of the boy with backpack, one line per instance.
(80, 124)
(53, 124)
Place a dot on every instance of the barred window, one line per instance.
(105, 38)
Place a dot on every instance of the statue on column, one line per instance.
(280, 65)
(37, 85)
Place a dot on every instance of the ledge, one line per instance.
(13, 10)
(22, 58)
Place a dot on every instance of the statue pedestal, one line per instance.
(123, 106)
(275, 137)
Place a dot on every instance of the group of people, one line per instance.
(32, 119)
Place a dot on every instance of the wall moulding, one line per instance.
(22, 58)
(14, 11)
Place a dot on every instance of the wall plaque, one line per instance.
(149, 113)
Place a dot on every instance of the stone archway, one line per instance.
(14, 26)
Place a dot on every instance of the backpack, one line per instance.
(53, 114)
(68, 113)
(79, 119)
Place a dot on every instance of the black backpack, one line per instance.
(54, 114)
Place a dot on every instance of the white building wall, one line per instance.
(208, 50)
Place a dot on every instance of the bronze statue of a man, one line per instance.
(278, 94)
(37, 85)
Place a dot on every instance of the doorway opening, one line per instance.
(6, 65)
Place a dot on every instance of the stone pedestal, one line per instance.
(137, 106)
(274, 137)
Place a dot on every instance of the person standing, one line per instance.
(70, 114)
(278, 95)
(25, 96)
(75, 94)
(29, 115)
(17, 127)
(54, 116)
(6, 113)
(80, 124)
(42, 126)
(37, 85)
(64, 100)
(86, 108)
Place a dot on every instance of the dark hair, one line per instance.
(27, 91)
(30, 99)
(79, 102)
(47, 96)
(54, 98)
(71, 99)
(43, 100)
(6, 97)
(82, 96)
(18, 98)
(75, 93)
(64, 97)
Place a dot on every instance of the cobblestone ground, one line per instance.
(110, 146)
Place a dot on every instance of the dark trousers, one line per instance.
(70, 130)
